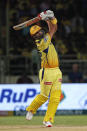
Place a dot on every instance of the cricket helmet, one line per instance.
(34, 29)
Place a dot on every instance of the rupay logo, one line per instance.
(9, 95)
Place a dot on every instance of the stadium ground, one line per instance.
(62, 123)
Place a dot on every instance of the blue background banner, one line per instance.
(16, 97)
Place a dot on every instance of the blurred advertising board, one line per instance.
(6, 113)
(16, 97)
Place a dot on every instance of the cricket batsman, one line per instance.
(50, 75)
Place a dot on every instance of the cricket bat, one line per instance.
(26, 23)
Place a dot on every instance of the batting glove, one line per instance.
(49, 14)
(43, 16)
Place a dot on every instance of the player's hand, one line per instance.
(46, 15)
(49, 14)
(43, 16)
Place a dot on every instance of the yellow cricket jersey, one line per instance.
(49, 58)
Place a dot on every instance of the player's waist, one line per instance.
(46, 65)
(50, 71)
(50, 68)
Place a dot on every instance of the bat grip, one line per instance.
(40, 18)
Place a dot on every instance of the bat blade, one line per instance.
(26, 23)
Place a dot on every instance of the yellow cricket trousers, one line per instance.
(50, 84)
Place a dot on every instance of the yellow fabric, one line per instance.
(34, 29)
(51, 84)
(52, 77)
(49, 59)
(54, 21)
(52, 106)
(51, 80)
(36, 103)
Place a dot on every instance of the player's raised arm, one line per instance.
(52, 24)
(49, 17)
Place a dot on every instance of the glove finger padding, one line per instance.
(46, 15)
(50, 14)
(43, 16)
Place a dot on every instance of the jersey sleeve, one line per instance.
(44, 43)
